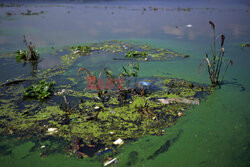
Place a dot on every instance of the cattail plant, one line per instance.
(215, 59)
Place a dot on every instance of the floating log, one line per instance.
(180, 100)
(13, 82)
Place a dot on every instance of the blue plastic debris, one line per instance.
(103, 152)
(144, 83)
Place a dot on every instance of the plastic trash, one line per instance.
(51, 131)
(115, 160)
(118, 142)
(103, 152)
(144, 83)
(42, 147)
(76, 51)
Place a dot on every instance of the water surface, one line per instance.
(216, 133)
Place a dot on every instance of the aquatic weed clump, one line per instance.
(244, 45)
(40, 91)
(121, 50)
(81, 49)
(126, 113)
(92, 123)
(136, 54)
(29, 54)
(92, 120)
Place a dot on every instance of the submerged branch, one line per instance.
(14, 82)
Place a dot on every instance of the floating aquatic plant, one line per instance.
(136, 54)
(120, 48)
(81, 49)
(117, 82)
(95, 125)
(93, 120)
(130, 71)
(40, 90)
(243, 45)
(215, 60)
(21, 54)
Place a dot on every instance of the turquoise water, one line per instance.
(215, 133)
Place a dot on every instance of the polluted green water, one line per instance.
(167, 41)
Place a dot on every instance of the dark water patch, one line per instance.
(5, 150)
(204, 163)
(84, 149)
(23, 150)
(53, 145)
(46, 145)
(235, 83)
(164, 147)
(132, 158)
(201, 94)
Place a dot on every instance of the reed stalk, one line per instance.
(215, 61)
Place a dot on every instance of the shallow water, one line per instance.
(216, 133)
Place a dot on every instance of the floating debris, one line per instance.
(51, 131)
(180, 100)
(243, 45)
(115, 160)
(96, 119)
(42, 147)
(61, 92)
(64, 91)
(180, 114)
(118, 142)
(144, 83)
(96, 107)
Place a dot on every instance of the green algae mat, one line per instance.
(92, 112)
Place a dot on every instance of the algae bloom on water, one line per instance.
(94, 121)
